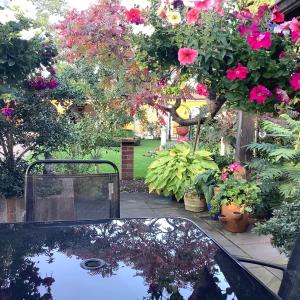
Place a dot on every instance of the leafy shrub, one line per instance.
(284, 226)
(176, 168)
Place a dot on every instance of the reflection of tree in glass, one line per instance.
(169, 254)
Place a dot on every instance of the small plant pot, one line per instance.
(194, 203)
(232, 218)
(182, 130)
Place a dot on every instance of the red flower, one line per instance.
(277, 17)
(261, 12)
(239, 72)
(295, 81)
(281, 95)
(134, 16)
(187, 56)
(192, 15)
(244, 30)
(259, 94)
(281, 54)
(202, 89)
(259, 40)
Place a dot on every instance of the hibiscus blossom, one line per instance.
(281, 95)
(192, 15)
(239, 72)
(187, 56)
(202, 89)
(295, 81)
(259, 40)
(134, 16)
(259, 94)
(277, 17)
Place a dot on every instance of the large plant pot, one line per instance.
(232, 218)
(193, 202)
(182, 130)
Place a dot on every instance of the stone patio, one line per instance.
(246, 244)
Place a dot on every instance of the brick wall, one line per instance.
(127, 154)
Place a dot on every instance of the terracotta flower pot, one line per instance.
(192, 202)
(232, 219)
(182, 130)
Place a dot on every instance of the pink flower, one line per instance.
(261, 12)
(224, 176)
(187, 56)
(259, 40)
(244, 15)
(277, 17)
(134, 16)
(244, 30)
(281, 54)
(295, 81)
(204, 4)
(281, 95)
(239, 72)
(259, 94)
(192, 15)
(234, 166)
(295, 29)
(202, 89)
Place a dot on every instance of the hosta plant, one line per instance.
(176, 168)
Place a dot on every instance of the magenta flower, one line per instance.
(295, 81)
(7, 112)
(261, 12)
(259, 40)
(245, 30)
(204, 4)
(134, 16)
(239, 72)
(235, 166)
(259, 94)
(187, 56)
(277, 17)
(202, 89)
(192, 15)
(281, 54)
(52, 84)
(224, 176)
(281, 95)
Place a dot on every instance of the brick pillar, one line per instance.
(127, 149)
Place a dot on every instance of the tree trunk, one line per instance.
(245, 136)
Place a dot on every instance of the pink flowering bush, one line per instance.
(244, 59)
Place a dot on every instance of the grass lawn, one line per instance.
(142, 159)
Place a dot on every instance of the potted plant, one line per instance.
(182, 130)
(193, 201)
(175, 169)
(235, 201)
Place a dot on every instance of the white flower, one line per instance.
(174, 17)
(143, 29)
(29, 34)
(189, 3)
(7, 15)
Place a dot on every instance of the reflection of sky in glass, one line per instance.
(124, 284)
(223, 284)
